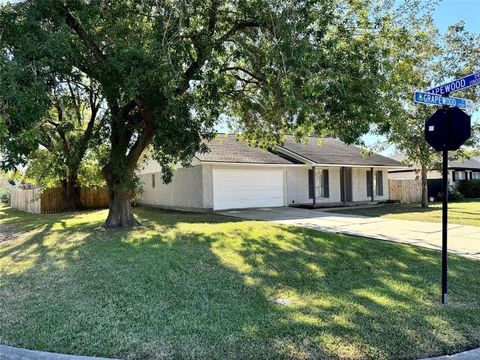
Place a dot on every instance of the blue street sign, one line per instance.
(459, 84)
(432, 99)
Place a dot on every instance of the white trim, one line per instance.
(219, 163)
(294, 155)
(308, 166)
(312, 163)
(359, 166)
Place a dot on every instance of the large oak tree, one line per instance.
(54, 147)
(168, 69)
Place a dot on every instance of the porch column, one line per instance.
(371, 185)
(314, 187)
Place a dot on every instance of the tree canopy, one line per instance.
(167, 70)
(432, 59)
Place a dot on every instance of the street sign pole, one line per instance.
(445, 207)
(445, 222)
(447, 129)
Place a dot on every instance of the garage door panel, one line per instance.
(237, 188)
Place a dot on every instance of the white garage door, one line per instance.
(247, 188)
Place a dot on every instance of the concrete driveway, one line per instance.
(463, 240)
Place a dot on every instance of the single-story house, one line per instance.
(234, 175)
(466, 169)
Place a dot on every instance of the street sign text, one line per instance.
(459, 84)
(432, 99)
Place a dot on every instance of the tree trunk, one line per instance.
(120, 214)
(72, 194)
(424, 187)
(119, 171)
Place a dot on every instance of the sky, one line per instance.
(450, 11)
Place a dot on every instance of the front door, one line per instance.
(346, 184)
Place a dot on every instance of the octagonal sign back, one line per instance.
(448, 129)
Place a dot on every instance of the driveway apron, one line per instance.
(464, 240)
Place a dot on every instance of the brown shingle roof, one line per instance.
(472, 163)
(334, 151)
(226, 148)
(465, 164)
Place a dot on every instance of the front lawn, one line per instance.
(205, 286)
(466, 212)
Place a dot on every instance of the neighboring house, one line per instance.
(5, 181)
(457, 170)
(234, 175)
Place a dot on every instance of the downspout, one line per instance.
(371, 185)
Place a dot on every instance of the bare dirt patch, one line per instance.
(7, 234)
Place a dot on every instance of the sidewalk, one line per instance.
(13, 353)
(467, 355)
(463, 240)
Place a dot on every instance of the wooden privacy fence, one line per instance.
(26, 200)
(405, 190)
(52, 200)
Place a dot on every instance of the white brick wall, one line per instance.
(185, 190)
(193, 187)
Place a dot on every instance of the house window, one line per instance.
(459, 175)
(322, 188)
(369, 183)
(324, 184)
(153, 180)
(379, 183)
(476, 175)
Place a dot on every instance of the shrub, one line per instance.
(454, 194)
(5, 195)
(470, 188)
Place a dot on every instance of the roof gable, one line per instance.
(335, 152)
(228, 149)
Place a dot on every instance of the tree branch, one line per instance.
(144, 137)
(212, 21)
(239, 25)
(75, 25)
(246, 71)
(192, 69)
(202, 52)
(125, 110)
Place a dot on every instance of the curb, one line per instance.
(467, 355)
(13, 353)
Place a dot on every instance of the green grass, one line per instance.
(465, 212)
(205, 286)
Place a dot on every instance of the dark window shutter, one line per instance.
(310, 184)
(153, 180)
(453, 176)
(379, 183)
(326, 190)
(369, 183)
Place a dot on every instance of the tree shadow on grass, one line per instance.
(202, 286)
(18, 221)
